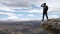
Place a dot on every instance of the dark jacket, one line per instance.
(45, 8)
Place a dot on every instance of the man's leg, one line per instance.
(46, 16)
(43, 17)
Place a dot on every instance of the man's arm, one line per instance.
(42, 5)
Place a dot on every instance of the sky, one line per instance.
(18, 10)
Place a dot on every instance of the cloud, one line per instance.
(25, 9)
(19, 3)
(6, 9)
(11, 16)
(21, 9)
(53, 4)
(27, 3)
(3, 16)
(53, 16)
(15, 3)
(20, 15)
(31, 15)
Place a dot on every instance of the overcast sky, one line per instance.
(27, 9)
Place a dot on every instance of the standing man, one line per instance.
(45, 9)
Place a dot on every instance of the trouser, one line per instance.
(44, 14)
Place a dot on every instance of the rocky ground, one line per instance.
(29, 27)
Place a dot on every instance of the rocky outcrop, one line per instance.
(52, 26)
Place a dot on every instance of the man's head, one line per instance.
(44, 4)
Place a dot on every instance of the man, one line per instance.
(45, 9)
